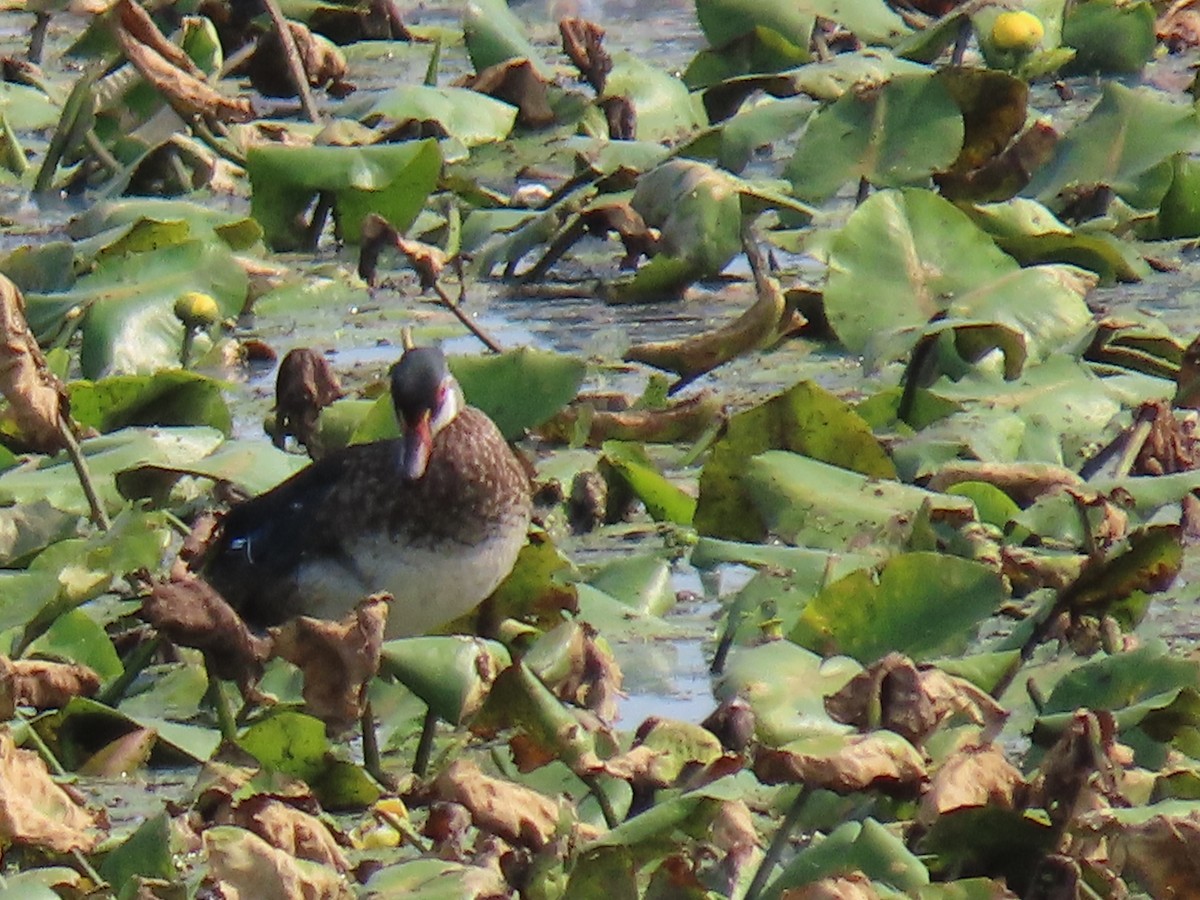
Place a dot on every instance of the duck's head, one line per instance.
(426, 399)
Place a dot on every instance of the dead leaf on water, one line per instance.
(515, 813)
(896, 694)
(245, 867)
(973, 776)
(338, 659)
(1024, 482)
(610, 417)
(295, 832)
(42, 684)
(517, 82)
(881, 761)
(37, 812)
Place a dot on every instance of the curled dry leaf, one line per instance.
(515, 813)
(305, 385)
(1179, 26)
(665, 751)
(586, 674)
(338, 659)
(378, 233)
(766, 321)
(245, 867)
(1170, 441)
(295, 832)
(854, 886)
(42, 684)
(880, 761)
(144, 46)
(323, 63)
(972, 776)
(1024, 482)
(610, 418)
(192, 614)
(34, 810)
(37, 399)
(1083, 770)
(1162, 852)
(583, 42)
(517, 82)
(1029, 569)
(894, 693)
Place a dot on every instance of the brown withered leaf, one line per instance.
(517, 814)
(245, 867)
(323, 63)
(976, 775)
(427, 260)
(305, 385)
(289, 829)
(583, 42)
(610, 417)
(732, 723)
(447, 826)
(1162, 853)
(584, 672)
(338, 659)
(191, 613)
(620, 218)
(1170, 445)
(853, 886)
(1187, 381)
(1083, 770)
(910, 700)
(1024, 482)
(517, 82)
(621, 117)
(147, 49)
(1179, 26)
(664, 751)
(1028, 569)
(35, 811)
(37, 399)
(881, 761)
(767, 321)
(42, 684)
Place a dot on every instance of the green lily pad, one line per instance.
(392, 180)
(469, 116)
(891, 136)
(519, 389)
(920, 604)
(806, 419)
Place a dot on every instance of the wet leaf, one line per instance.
(494, 34)
(921, 604)
(146, 853)
(1109, 36)
(786, 687)
(664, 501)
(171, 397)
(465, 115)
(805, 419)
(868, 847)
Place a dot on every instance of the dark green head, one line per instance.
(426, 399)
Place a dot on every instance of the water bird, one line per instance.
(435, 517)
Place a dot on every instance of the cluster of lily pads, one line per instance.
(939, 675)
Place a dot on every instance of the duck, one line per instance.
(436, 518)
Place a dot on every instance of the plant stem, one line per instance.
(425, 744)
(778, 843)
(292, 57)
(606, 808)
(220, 704)
(99, 515)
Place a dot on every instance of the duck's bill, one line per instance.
(418, 441)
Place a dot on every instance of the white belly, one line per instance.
(430, 587)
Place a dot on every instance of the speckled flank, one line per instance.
(350, 525)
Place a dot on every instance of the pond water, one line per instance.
(361, 339)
